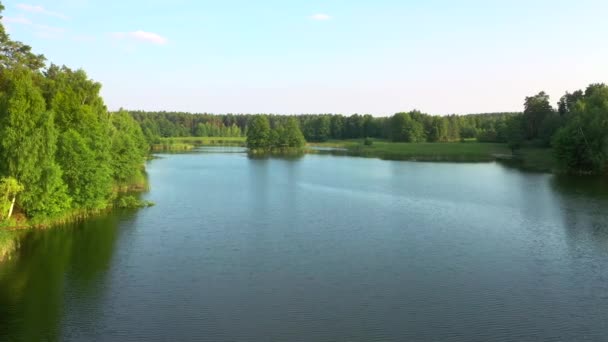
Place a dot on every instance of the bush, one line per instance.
(132, 202)
(368, 142)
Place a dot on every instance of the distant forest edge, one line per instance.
(577, 129)
(62, 154)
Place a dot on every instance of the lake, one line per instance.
(322, 248)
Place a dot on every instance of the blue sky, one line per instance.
(312, 56)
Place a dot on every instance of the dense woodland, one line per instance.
(61, 152)
(323, 127)
(577, 128)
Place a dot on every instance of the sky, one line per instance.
(311, 56)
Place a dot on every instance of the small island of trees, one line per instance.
(284, 136)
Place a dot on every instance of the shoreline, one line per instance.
(10, 234)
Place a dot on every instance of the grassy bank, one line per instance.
(464, 152)
(122, 198)
(171, 146)
(535, 159)
(180, 144)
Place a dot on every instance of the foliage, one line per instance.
(284, 135)
(464, 152)
(536, 109)
(582, 144)
(58, 140)
(259, 134)
(9, 189)
(132, 202)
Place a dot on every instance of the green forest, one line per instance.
(576, 128)
(62, 154)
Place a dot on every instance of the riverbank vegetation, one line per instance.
(571, 137)
(422, 151)
(284, 135)
(62, 154)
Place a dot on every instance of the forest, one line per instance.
(61, 152)
(576, 128)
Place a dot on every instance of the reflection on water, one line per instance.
(54, 268)
(322, 248)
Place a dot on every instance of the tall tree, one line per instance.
(582, 144)
(258, 133)
(84, 135)
(29, 143)
(17, 54)
(9, 189)
(536, 109)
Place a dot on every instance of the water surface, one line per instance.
(322, 248)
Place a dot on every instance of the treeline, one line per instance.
(323, 127)
(61, 152)
(577, 128)
(282, 135)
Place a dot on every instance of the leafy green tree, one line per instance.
(89, 183)
(337, 126)
(15, 54)
(84, 135)
(259, 133)
(514, 132)
(129, 147)
(567, 102)
(9, 189)
(28, 145)
(582, 144)
(536, 109)
(322, 128)
(405, 129)
(293, 136)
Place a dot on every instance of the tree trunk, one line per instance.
(10, 210)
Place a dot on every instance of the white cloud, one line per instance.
(143, 36)
(16, 20)
(40, 10)
(320, 17)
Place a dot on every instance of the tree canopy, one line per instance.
(58, 141)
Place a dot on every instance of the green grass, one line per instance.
(240, 141)
(177, 144)
(168, 146)
(456, 151)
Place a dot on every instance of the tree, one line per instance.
(582, 144)
(84, 135)
(258, 133)
(567, 102)
(536, 109)
(9, 189)
(16, 54)
(322, 128)
(514, 127)
(405, 129)
(28, 145)
(129, 148)
(293, 135)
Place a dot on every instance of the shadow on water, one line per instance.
(73, 258)
(584, 202)
(584, 186)
(286, 155)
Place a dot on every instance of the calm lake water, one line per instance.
(322, 248)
